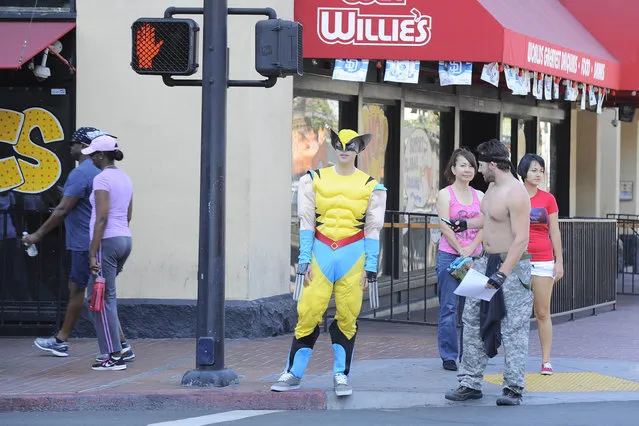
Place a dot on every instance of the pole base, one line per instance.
(210, 378)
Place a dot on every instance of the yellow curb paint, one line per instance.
(571, 382)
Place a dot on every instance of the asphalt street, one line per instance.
(585, 414)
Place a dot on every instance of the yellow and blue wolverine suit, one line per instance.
(340, 221)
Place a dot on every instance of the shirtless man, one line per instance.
(505, 219)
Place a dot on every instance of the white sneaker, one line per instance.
(546, 369)
(286, 382)
(342, 388)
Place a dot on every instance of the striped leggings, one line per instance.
(112, 256)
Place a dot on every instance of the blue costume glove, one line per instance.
(306, 246)
(371, 248)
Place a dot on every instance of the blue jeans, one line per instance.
(447, 338)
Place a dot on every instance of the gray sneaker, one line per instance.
(342, 388)
(51, 344)
(286, 382)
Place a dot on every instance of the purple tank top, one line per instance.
(460, 211)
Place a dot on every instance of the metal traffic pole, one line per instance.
(210, 369)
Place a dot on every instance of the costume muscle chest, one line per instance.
(341, 202)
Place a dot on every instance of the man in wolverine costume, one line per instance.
(341, 211)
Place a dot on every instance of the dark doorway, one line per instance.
(475, 128)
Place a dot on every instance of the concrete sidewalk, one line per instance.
(395, 366)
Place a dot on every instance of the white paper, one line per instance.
(600, 99)
(583, 97)
(402, 71)
(454, 72)
(474, 285)
(572, 93)
(540, 88)
(510, 80)
(350, 69)
(490, 74)
(592, 97)
(555, 91)
(548, 87)
(520, 85)
(534, 85)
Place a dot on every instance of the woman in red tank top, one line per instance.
(544, 246)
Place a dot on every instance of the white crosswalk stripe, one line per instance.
(212, 419)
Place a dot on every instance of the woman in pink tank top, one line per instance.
(456, 201)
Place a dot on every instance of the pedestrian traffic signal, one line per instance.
(278, 47)
(164, 46)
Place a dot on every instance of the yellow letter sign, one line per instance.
(16, 129)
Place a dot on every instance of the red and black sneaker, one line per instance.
(110, 363)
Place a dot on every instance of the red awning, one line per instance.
(38, 36)
(613, 23)
(538, 35)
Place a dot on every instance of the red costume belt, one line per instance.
(339, 243)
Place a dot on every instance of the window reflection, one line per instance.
(420, 171)
(311, 147)
(420, 185)
(375, 122)
(543, 149)
(311, 139)
(506, 132)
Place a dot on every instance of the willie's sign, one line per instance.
(357, 28)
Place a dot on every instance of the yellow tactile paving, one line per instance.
(571, 382)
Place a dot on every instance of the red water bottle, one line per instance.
(97, 297)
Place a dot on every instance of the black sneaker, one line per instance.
(463, 393)
(110, 363)
(52, 344)
(450, 365)
(509, 397)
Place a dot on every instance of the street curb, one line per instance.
(200, 399)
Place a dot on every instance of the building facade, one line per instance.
(274, 136)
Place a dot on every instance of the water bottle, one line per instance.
(32, 250)
(97, 296)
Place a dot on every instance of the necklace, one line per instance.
(462, 190)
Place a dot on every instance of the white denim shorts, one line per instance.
(543, 269)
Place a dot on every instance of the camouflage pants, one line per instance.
(515, 328)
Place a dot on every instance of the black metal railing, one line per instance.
(408, 282)
(628, 253)
(590, 264)
(32, 289)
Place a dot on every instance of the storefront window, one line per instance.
(375, 122)
(420, 185)
(312, 120)
(543, 149)
(37, 6)
(420, 168)
(521, 140)
(311, 146)
(506, 132)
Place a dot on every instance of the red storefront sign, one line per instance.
(612, 24)
(538, 55)
(518, 33)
